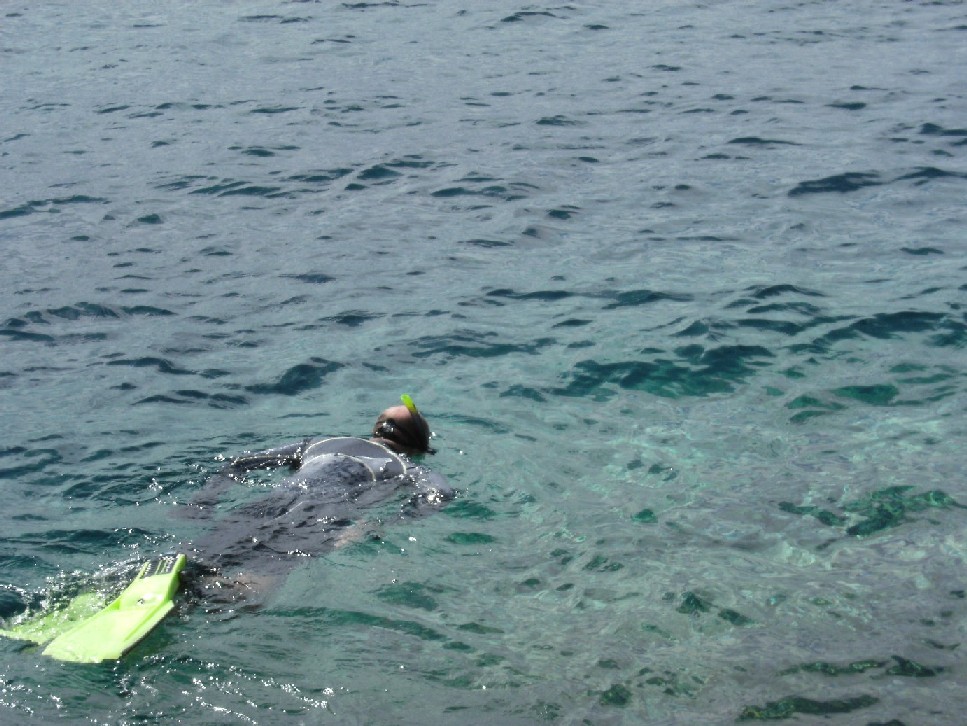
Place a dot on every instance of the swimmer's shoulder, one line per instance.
(376, 456)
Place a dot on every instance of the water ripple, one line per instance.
(689, 327)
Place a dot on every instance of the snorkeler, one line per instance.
(250, 548)
(317, 508)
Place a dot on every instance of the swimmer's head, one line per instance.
(403, 429)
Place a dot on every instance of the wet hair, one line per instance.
(411, 433)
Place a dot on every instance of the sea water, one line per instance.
(680, 287)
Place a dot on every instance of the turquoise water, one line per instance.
(680, 287)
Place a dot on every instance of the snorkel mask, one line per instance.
(412, 433)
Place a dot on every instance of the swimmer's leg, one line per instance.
(229, 590)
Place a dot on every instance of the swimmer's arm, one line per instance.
(289, 455)
(201, 505)
(432, 492)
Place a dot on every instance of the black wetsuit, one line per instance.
(309, 512)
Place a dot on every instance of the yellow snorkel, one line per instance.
(421, 425)
(410, 406)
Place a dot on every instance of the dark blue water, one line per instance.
(680, 287)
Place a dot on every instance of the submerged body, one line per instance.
(335, 481)
(321, 505)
